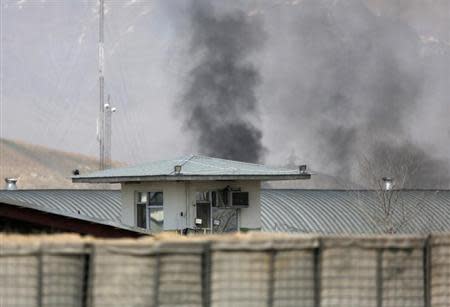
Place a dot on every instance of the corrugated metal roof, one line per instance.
(98, 206)
(317, 211)
(346, 212)
(192, 166)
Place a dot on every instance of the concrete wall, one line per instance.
(179, 201)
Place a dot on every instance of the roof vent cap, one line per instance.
(388, 183)
(177, 169)
(11, 183)
(302, 169)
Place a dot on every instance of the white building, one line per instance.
(193, 192)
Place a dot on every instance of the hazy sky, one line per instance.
(50, 87)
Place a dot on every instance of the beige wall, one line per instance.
(179, 197)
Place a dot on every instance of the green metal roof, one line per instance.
(193, 167)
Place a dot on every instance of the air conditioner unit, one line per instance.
(239, 199)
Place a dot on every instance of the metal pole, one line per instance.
(40, 277)
(157, 280)
(317, 271)
(107, 135)
(427, 271)
(271, 281)
(379, 278)
(100, 123)
(87, 280)
(206, 275)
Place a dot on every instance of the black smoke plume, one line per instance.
(219, 99)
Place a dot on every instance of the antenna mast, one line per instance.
(101, 81)
(107, 111)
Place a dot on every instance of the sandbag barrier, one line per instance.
(235, 270)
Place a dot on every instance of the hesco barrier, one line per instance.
(236, 270)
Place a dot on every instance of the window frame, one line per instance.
(153, 206)
(148, 206)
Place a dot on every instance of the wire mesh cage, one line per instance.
(267, 270)
(440, 271)
(43, 274)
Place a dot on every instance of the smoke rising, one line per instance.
(219, 98)
(353, 80)
(337, 82)
(409, 165)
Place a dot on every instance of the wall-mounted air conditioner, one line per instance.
(239, 199)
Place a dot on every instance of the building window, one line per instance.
(141, 209)
(155, 211)
(149, 211)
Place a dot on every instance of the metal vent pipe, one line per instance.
(11, 183)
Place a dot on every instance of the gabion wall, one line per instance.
(236, 270)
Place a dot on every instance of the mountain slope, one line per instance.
(39, 167)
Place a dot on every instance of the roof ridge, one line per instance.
(187, 160)
(243, 162)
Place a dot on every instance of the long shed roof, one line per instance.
(357, 212)
(96, 206)
(309, 211)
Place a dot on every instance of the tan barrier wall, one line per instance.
(237, 270)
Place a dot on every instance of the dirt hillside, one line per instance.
(39, 167)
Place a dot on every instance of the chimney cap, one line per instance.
(177, 169)
(302, 169)
(11, 183)
(388, 183)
